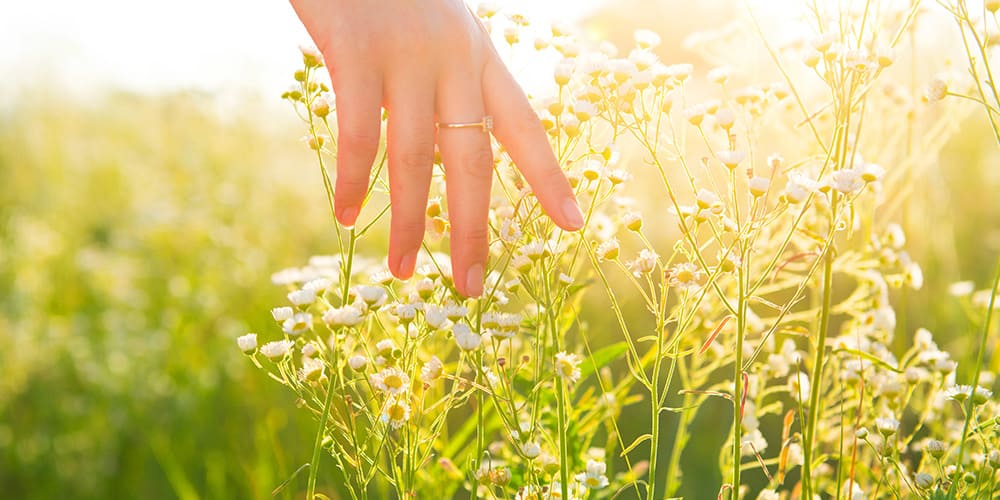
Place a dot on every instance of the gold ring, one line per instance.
(486, 123)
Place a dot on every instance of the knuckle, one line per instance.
(525, 122)
(356, 141)
(417, 156)
(350, 187)
(409, 226)
(472, 238)
(554, 177)
(477, 163)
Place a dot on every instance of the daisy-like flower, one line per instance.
(936, 448)
(680, 72)
(302, 298)
(297, 324)
(685, 276)
(374, 296)
(846, 180)
(731, 158)
(510, 231)
(531, 450)
(277, 349)
(594, 478)
(396, 412)
(280, 314)
(609, 250)
(357, 362)
(404, 312)
(247, 343)
(487, 9)
(455, 312)
(924, 480)
(568, 366)
(632, 221)
(435, 317)
(646, 39)
(391, 381)
(644, 263)
(798, 385)
(707, 199)
(312, 370)
(309, 349)
(798, 188)
(720, 75)
(467, 339)
(887, 426)
(534, 250)
(726, 118)
(960, 393)
(758, 185)
(318, 285)
(431, 370)
(768, 495)
(311, 56)
(343, 316)
(752, 441)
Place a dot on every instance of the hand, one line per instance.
(429, 61)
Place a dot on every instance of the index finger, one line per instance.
(517, 127)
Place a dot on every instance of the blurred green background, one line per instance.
(137, 236)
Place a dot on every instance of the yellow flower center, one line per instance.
(396, 412)
(393, 381)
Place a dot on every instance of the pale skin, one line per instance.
(425, 62)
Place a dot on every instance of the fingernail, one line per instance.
(474, 280)
(572, 213)
(349, 215)
(407, 263)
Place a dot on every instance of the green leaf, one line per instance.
(639, 440)
(602, 358)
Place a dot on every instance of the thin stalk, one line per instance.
(817, 374)
(563, 445)
(970, 406)
(741, 324)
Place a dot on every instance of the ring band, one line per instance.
(486, 123)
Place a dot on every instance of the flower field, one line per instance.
(783, 288)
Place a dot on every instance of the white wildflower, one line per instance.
(431, 370)
(396, 412)
(312, 369)
(247, 343)
(567, 366)
(594, 478)
(280, 314)
(465, 337)
(391, 381)
(297, 324)
(277, 349)
(357, 362)
(646, 39)
(343, 316)
(608, 250)
(302, 298)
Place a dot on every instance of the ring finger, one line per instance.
(468, 162)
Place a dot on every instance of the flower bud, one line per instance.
(247, 343)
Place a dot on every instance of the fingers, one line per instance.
(359, 117)
(410, 138)
(468, 162)
(517, 127)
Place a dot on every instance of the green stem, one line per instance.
(741, 322)
(970, 405)
(817, 374)
(563, 444)
(318, 444)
